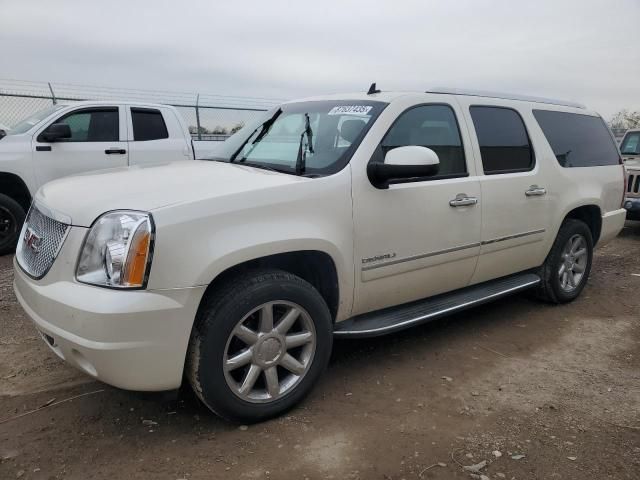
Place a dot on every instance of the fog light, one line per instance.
(628, 204)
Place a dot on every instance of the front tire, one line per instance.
(11, 219)
(259, 345)
(566, 269)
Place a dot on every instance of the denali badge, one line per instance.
(377, 258)
(32, 240)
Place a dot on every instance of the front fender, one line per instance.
(15, 160)
(197, 242)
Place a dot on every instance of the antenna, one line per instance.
(373, 89)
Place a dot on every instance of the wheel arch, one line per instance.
(591, 215)
(13, 186)
(315, 266)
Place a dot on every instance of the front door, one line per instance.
(98, 141)
(418, 238)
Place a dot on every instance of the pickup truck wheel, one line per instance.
(566, 269)
(259, 345)
(11, 220)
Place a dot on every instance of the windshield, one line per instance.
(26, 124)
(312, 138)
(631, 144)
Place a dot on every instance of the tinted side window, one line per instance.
(503, 139)
(148, 124)
(101, 125)
(578, 140)
(432, 126)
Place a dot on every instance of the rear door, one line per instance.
(98, 141)
(155, 136)
(515, 200)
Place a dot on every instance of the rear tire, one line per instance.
(258, 345)
(566, 269)
(11, 219)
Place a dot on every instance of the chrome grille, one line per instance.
(633, 183)
(40, 242)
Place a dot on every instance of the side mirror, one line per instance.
(403, 162)
(56, 132)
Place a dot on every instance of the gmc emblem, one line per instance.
(32, 240)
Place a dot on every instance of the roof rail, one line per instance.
(506, 96)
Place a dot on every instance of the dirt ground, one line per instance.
(536, 391)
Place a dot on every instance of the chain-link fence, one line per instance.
(210, 117)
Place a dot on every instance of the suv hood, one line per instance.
(80, 199)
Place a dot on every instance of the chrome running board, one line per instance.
(397, 318)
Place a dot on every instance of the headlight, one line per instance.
(117, 250)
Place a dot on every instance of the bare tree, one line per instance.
(236, 127)
(625, 119)
(194, 130)
(219, 130)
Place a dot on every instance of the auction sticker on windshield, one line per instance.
(350, 110)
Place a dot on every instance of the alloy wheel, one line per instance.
(573, 263)
(269, 351)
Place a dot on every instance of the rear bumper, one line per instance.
(136, 340)
(612, 223)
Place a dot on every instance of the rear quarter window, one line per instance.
(578, 140)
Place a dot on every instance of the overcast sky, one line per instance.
(584, 50)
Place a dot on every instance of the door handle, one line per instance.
(462, 200)
(535, 191)
(115, 151)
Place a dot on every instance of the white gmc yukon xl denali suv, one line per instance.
(348, 216)
(69, 139)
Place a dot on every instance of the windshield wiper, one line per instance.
(302, 150)
(265, 128)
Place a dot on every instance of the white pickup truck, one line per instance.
(69, 139)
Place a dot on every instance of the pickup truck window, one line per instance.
(277, 141)
(503, 139)
(93, 125)
(578, 140)
(434, 127)
(148, 124)
(631, 144)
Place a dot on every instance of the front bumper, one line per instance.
(136, 340)
(632, 206)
